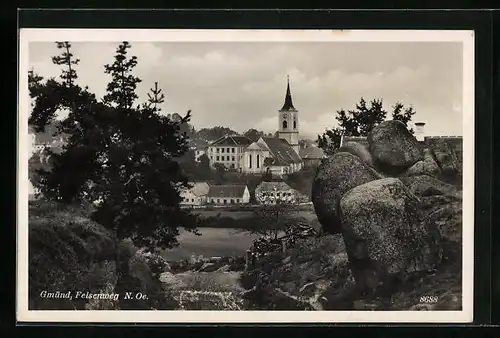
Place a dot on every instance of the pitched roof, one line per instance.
(199, 188)
(229, 190)
(270, 186)
(311, 153)
(232, 140)
(357, 139)
(283, 153)
(288, 105)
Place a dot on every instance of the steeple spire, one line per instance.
(288, 105)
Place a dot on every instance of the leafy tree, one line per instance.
(155, 97)
(220, 171)
(360, 121)
(274, 219)
(400, 113)
(119, 157)
(211, 134)
(254, 134)
(267, 176)
(66, 59)
(121, 89)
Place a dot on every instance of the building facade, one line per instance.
(271, 155)
(228, 150)
(196, 195)
(228, 194)
(275, 192)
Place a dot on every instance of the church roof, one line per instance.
(282, 152)
(288, 105)
(232, 141)
(229, 190)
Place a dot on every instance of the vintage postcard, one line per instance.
(245, 176)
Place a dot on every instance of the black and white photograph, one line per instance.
(245, 176)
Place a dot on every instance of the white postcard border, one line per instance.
(180, 316)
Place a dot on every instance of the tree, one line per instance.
(120, 158)
(66, 59)
(220, 171)
(274, 219)
(360, 121)
(400, 113)
(121, 89)
(155, 97)
(254, 134)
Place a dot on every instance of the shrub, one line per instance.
(67, 252)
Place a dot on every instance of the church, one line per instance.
(278, 156)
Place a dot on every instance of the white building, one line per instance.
(228, 150)
(272, 155)
(196, 195)
(273, 192)
(228, 194)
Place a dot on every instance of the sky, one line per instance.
(242, 85)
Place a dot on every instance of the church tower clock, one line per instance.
(288, 128)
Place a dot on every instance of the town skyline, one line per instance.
(242, 85)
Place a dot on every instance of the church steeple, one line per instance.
(288, 105)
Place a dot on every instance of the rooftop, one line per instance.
(283, 153)
(232, 140)
(229, 190)
(311, 153)
(270, 186)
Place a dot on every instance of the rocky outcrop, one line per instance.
(425, 186)
(359, 150)
(393, 148)
(446, 157)
(427, 166)
(334, 177)
(384, 235)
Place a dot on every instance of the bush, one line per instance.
(67, 252)
(140, 274)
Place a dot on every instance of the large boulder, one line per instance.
(334, 177)
(445, 156)
(393, 148)
(385, 237)
(444, 212)
(427, 166)
(424, 186)
(358, 149)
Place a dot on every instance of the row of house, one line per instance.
(202, 193)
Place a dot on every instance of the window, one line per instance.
(228, 150)
(237, 200)
(233, 158)
(294, 124)
(250, 160)
(225, 201)
(217, 158)
(192, 200)
(222, 150)
(217, 149)
(218, 200)
(232, 201)
(232, 150)
(285, 124)
(258, 161)
(211, 158)
(227, 158)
